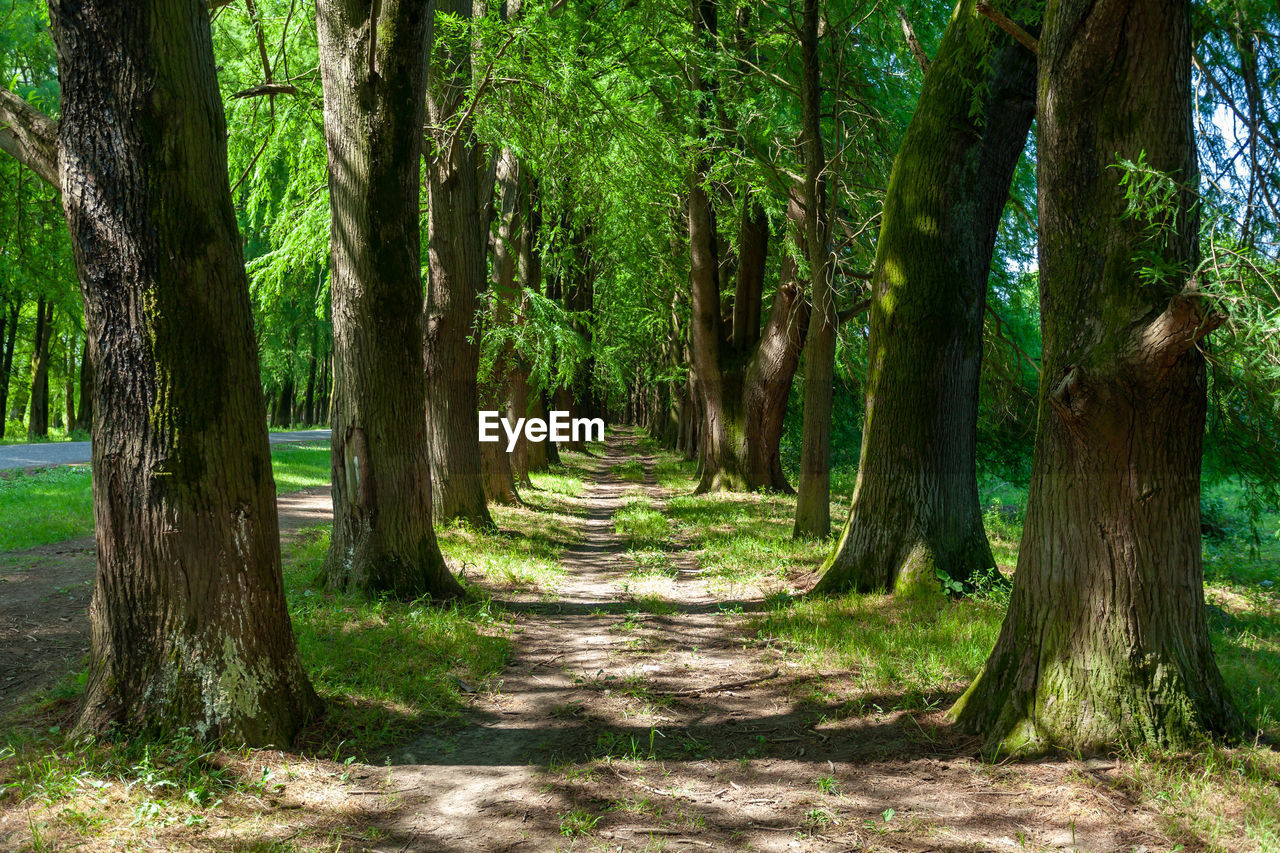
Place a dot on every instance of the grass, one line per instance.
(54, 504)
(632, 471)
(641, 525)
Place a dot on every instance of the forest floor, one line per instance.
(644, 697)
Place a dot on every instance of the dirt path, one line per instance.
(617, 728)
(652, 723)
(44, 601)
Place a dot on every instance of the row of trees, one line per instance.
(665, 212)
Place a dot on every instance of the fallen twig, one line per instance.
(727, 685)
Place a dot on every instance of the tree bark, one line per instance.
(1105, 641)
(915, 510)
(6, 368)
(813, 502)
(503, 469)
(38, 419)
(69, 386)
(309, 397)
(457, 274)
(37, 400)
(188, 621)
(373, 64)
(84, 416)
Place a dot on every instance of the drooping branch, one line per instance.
(29, 136)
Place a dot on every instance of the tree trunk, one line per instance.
(6, 366)
(309, 398)
(813, 503)
(84, 418)
(69, 387)
(1105, 640)
(383, 540)
(283, 416)
(457, 274)
(188, 621)
(500, 467)
(537, 455)
(915, 508)
(38, 421)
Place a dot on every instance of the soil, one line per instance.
(620, 725)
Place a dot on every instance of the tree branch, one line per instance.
(267, 89)
(853, 311)
(29, 136)
(917, 49)
(1007, 24)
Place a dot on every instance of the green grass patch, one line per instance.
(559, 481)
(744, 540)
(640, 524)
(300, 466)
(47, 505)
(632, 471)
(386, 668)
(899, 649)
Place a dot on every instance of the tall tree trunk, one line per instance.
(188, 621)
(813, 503)
(1105, 640)
(719, 465)
(536, 451)
(457, 274)
(38, 420)
(8, 334)
(69, 386)
(915, 508)
(283, 413)
(373, 63)
(500, 467)
(7, 361)
(84, 417)
(309, 398)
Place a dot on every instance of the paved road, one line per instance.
(77, 452)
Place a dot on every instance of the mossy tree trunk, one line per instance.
(188, 620)
(374, 95)
(458, 268)
(1105, 640)
(915, 506)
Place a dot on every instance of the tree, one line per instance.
(915, 507)
(813, 502)
(38, 421)
(189, 625)
(1105, 640)
(458, 270)
(373, 62)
